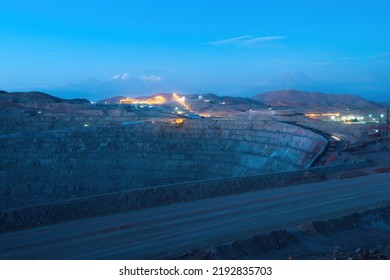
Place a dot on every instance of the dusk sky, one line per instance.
(204, 44)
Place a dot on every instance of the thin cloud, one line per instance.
(231, 41)
(248, 41)
(260, 40)
(381, 58)
(380, 55)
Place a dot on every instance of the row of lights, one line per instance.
(358, 118)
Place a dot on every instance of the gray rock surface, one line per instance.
(58, 164)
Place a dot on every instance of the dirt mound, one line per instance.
(246, 248)
(364, 236)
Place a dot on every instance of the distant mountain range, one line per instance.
(287, 81)
(123, 84)
(281, 98)
(211, 102)
(290, 89)
(126, 84)
(296, 98)
(129, 85)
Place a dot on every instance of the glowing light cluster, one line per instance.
(352, 118)
(153, 100)
(182, 101)
(319, 115)
(178, 122)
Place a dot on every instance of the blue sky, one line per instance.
(204, 44)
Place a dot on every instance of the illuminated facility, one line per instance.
(151, 101)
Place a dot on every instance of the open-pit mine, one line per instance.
(190, 176)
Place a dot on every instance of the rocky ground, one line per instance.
(380, 252)
(357, 236)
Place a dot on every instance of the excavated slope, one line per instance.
(54, 165)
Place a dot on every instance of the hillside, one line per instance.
(296, 98)
(13, 98)
(202, 103)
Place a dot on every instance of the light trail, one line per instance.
(182, 101)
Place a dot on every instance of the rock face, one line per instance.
(57, 164)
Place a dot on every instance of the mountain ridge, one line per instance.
(298, 98)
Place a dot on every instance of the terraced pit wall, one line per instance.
(56, 165)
